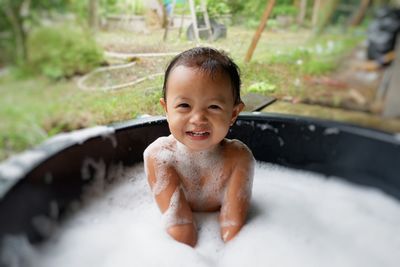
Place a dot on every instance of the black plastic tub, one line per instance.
(50, 176)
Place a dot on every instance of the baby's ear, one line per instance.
(163, 104)
(237, 109)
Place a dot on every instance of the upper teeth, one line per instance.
(199, 133)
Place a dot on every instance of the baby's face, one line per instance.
(199, 109)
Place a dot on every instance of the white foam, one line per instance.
(160, 184)
(192, 166)
(295, 219)
(266, 126)
(171, 216)
(281, 142)
(163, 155)
(99, 176)
(329, 131)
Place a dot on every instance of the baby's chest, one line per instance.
(212, 178)
(203, 185)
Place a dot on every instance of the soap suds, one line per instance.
(171, 216)
(192, 167)
(266, 126)
(160, 184)
(329, 131)
(296, 218)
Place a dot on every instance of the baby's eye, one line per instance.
(214, 107)
(183, 105)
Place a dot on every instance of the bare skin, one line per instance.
(196, 168)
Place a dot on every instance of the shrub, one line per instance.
(217, 8)
(284, 10)
(261, 87)
(7, 48)
(62, 51)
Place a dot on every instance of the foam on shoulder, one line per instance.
(161, 149)
(162, 152)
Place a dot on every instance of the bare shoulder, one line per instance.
(158, 156)
(162, 147)
(238, 150)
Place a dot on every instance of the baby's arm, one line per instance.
(165, 184)
(237, 196)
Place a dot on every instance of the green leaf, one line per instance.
(261, 87)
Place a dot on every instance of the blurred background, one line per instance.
(72, 64)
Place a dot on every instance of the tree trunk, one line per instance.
(359, 13)
(13, 16)
(93, 14)
(392, 107)
(164, 18)
(316, 8)
(261, 27)
(302, 13)
(327, 9)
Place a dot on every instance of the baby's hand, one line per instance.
(184, 233)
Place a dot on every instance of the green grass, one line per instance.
(318, 56)
(283, 64)
(35, 108)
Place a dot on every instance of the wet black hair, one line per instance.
(209, 61)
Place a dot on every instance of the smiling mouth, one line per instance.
(195, 134)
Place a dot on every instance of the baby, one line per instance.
(196, 168)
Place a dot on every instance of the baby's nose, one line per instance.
(199, 117)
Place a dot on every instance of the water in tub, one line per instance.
(296, 219)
